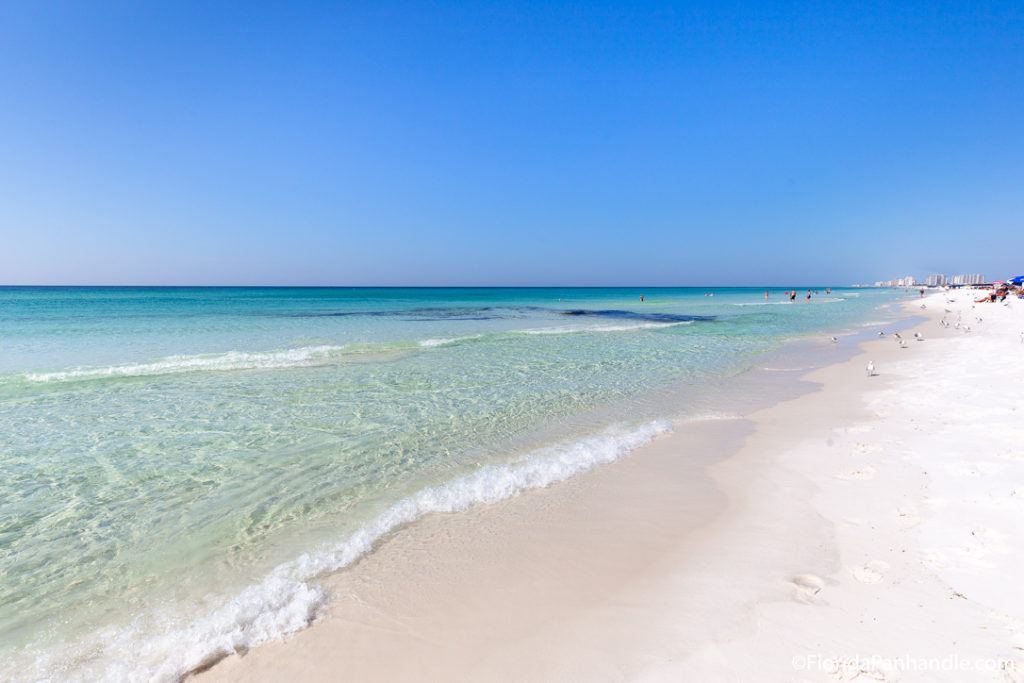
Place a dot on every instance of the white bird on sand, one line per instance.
(881, 334)
(871, 368)
(834, 340)
(918, 336)
(903, 343)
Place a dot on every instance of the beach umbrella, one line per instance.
(1016, 280)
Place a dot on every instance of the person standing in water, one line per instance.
(641, 298)
(792, 295)
(766, 294)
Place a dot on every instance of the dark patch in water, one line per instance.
(422, 314)
(439, 313)
(632, 315)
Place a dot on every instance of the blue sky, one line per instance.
(481, 143)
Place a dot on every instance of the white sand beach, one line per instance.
(868, 529)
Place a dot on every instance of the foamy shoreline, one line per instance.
(857, 530)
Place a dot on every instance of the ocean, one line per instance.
(180, 465)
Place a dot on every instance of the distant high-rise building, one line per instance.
(936, 280)
(973, 279)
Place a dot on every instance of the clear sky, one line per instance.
(474, 143)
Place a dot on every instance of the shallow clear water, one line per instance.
(178, 464)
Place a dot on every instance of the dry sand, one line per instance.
(868, 529)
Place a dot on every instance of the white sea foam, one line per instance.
(287, 600)
(231, 360)
(427, 343)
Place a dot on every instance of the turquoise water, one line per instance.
(180, 464)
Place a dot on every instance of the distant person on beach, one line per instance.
(792, 295)
(808, 295)
(922, 293)
(828, 290)
(766, 294)
(641, 298)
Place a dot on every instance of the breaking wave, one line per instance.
(287, 599)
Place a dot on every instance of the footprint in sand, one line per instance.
(863, 474)
(872, 572)
(908, 518)
(808, 586)
(1013, 671)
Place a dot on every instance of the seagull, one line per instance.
(881, 334)
(903, 344)
(871, 368)
(897, 335)
(957, 326)
(919, 336)
(834, 340)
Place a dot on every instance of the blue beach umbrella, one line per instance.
(1016, 280)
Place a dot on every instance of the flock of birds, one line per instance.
(899, 340)
(958, 324)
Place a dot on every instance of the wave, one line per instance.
(427, 343)
(287, 600)
(231, 360)
(307, 356)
